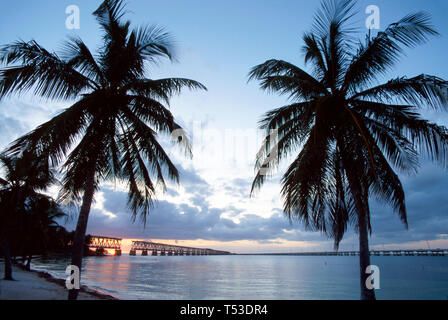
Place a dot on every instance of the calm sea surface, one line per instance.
(255, 277)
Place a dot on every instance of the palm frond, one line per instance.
(333, 12)
(54, 138)
(420, 91)
(387, 186)
(304, 184)
(341, 208)
(147, 144)
(277, 117)
(83, 160)
(332, 36)
(109, 14)
(162, 88)
(3, 182)
(313, 53)
(154, 41)
(399, 150)
(152, 112)
(141, 188)
(381, 53)
(139, 194)
(429, 139)
(45, 72)
(275, 73)
(280, 141)
(78, 55)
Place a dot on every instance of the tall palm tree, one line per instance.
(110, 132)
(352, 132)
(24, 178)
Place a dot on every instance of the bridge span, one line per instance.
(101, 243)
(170, 250)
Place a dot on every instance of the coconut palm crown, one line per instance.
(352, 133)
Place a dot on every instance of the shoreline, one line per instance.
(40, 285)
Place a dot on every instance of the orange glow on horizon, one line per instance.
(271, 246)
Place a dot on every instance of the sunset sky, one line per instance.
(217, 44)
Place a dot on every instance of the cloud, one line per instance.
(185, 221)
(427, 209)
(197, 218)
(216, 206)
(19, 117)
(10, 129)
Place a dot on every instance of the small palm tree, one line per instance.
(41, 215)
(110, 132)
(352, 136)
(24, 177)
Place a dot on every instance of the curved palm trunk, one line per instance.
(364, 259)
(80, 232)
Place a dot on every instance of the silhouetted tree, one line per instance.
(41, 215)
(110, 132)
(24, 177)
(352, 136)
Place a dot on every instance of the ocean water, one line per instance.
(241, 277)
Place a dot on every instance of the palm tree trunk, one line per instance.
(28, 262)
(364, 258)
(81, 227)
(8, 266)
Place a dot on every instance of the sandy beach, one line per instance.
(33, 285)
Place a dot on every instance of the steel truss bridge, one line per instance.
(100, 243)
(170, 250)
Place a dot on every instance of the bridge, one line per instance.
(100, 243)
(406, 252)
(170, 250)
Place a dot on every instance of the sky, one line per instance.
(217, 42)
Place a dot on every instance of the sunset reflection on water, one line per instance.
(255, 277)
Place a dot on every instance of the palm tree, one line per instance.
(110, 132)
(59, 240)
(41, 216)
(352, 132)
(24, 177)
